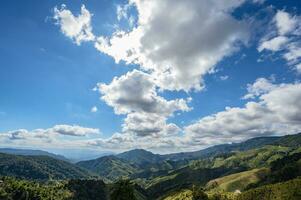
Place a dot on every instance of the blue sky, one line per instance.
(176, 71)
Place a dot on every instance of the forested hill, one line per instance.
(39, 168)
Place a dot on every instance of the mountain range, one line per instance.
(221, 169)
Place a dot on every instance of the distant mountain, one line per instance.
(226, 148)
(109, 167)
(140, 157)
(289, 141)
(31, 152)
(39, 168)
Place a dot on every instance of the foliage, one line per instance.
(238, 181)
(12, 189)
(87, 189)
(39, 168)
(109, 167)
(198, 193)
(289, 190)
(123, 190)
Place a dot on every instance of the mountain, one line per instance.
(39, 168)
(140, 157)
(145, 165)
(223, 148)
(109, 167)
(31, 152)
(289, 141)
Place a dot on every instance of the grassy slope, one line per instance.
(289, 190)
(238, 181)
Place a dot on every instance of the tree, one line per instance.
(123, 190)
(198, 193)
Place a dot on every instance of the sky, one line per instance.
(166, 76)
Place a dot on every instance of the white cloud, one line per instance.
(78, 28)
(298, 68)
(274, 44)
(287, 41)
(178, 53)
(94, 109)
(57, 130)
(72, 130)
(225, 77)
(135, 95)
(285, 22)
(277, 113)
(259, 87)
(145, 124)
(136, 92)
(294, 53)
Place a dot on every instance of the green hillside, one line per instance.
(289, 190)
(110, 168)
(14, 189)
(39, 168)
(238, 181)
(140, 157)
(247, 172)
(289, 141)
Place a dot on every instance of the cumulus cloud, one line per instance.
(135, 95)
(274, 44)
(136, 92)
(175, 55)
(286, 41)
(72, 130)
(78, 28)
(178, 52)
(144, 124)
(259, 87)
(285, 22)
(276, 113)
(69, 130)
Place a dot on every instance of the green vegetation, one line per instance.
(242, 172)
(12, 189)
(87, 189)
(140, 157)
(289, 190)
(110, 168)
(39, 168)
(123, 190)
(238, 181)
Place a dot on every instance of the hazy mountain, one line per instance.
(31, 152)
